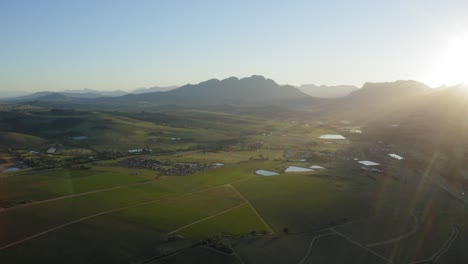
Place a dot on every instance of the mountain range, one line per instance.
(370, 102)
(418, 111)
(83, 93)
(250, 90)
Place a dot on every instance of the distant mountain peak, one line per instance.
(324, 91)
(395, 84)
(230, 90)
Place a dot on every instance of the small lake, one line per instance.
(329, 136)
(11, 169)
(395, 156)
(368, 163)
(317, 167)
(297, 169)
(266, 173)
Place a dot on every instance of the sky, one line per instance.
(115, 44)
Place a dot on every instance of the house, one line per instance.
(51, 150)
(135, 150)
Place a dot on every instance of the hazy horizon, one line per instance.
(119, 45)
(13, 93)
(10, 93)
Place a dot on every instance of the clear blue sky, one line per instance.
(100, 44)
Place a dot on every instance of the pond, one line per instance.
(395, 156)
(266, 173)
(368, 163)
(317, 167)
(332, 137)
(297, 169)
(12, 169)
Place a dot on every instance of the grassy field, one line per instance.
(13, 140)
(307, 202)
(238, 221)
(380, 228)
(335, 249)
(106, 213)
(272, 249)
(37, 186)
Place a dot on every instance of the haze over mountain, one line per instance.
(250, 90)
(256, 90)
(438, 116)
(324, 91)
(12, 94)
(84, 93)
(89, 92)
(153, 89)
(374, 99)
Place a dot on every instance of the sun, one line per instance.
(452, 65)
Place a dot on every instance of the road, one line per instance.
(362, 246)
(253, 207)
(206, 218)
(396, 239)
(3, 210)
(446, 187)
(100, 214)
(115, 210)
(444, 248)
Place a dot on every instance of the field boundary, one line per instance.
(102, 213)
(444, 248)
(398, 238)
(361, 246)
(311, 244)
(206, 218)
(116, 210)
(253, 207)
(75, 195)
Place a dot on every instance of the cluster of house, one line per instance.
(139, 150)
(168, 168)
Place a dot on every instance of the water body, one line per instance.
(12, 169)
(368, 163)
(266, 173)
(332, 137)
(317, 167)
(395, 156)
(297, 169)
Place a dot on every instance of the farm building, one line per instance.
(51, 150)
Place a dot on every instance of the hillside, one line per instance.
(438, 117)
(374, 100)
(251, 90)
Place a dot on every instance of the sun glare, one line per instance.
(451, 67)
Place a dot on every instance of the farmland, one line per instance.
(83, 204)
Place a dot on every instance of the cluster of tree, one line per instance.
(50, 162)
(66, 112)
(218, 244)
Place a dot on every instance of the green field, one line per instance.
(97, 211)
